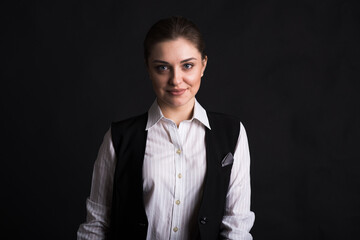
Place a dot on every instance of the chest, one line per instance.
(174, 158)
(133, 188)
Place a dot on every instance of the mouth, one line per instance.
(176, 92)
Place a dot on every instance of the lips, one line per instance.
(176, 92)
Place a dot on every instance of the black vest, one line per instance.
(128, 215)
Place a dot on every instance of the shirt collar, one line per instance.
(155, 115)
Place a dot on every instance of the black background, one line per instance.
(289, 69)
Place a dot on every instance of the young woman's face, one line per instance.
(175, 68)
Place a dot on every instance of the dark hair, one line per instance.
(171, 29)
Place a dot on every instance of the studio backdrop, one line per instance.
(289, 69)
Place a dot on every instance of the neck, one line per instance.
(178, 114)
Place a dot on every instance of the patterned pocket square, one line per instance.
(228, 159)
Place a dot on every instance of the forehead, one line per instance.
(174, 50)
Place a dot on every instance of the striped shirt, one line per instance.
(173, 178)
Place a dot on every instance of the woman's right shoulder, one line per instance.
(128, 122)
(124, 131)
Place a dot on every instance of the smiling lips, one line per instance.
(176, 92)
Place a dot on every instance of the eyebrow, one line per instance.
(185, 60)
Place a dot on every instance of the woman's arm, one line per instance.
(98, 205)
(238, 218)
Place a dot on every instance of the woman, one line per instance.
(177, 171)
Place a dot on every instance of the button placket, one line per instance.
(178, 160)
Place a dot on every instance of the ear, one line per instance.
(204, 62)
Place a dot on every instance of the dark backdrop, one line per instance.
(289, 69)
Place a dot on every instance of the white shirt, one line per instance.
(173, 176)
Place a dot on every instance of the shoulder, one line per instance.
(129, 122)
(223, 124)
(126, 128)
(222, 118)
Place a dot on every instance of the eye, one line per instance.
(188, 66)
(161, 68)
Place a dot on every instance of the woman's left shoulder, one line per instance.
(223, 116)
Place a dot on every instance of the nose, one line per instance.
(175, 77)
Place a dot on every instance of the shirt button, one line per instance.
(178, 151)
(179, 175)
(175, 229)
(177, 202)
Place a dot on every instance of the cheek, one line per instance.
(155, 84)
(194, 79)
(158, 81)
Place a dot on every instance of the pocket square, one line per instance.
(228, 159)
